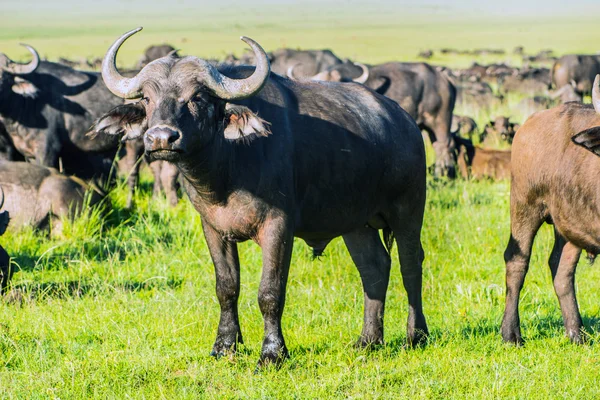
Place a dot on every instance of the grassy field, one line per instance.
(126, 308)
(123, 305)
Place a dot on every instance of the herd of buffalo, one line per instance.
(298, 143)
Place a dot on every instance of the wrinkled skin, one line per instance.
(477, 163)
(40, 196)
(580, 69)
(554, 154)
(425, 93)
(48, 112)
(323, 160)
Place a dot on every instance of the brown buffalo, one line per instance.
(476, 162)
(498, 131)
(554, 155)
(463, 126)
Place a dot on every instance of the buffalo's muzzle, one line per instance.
(161, 138)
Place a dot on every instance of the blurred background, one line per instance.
(370, 31)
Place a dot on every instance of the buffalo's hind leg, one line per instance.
(227, 270)
(373, 263)
(563, 264)
(525, 220)
(406, 225)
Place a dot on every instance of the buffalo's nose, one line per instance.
(161, 137)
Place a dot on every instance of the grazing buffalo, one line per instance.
(41, 197)
(266, 158)
(154, 52)
(553, 157)
(47, 109)
(580, 69)
(424, 92)
(306, 62)
(5, 270)
(477, 163)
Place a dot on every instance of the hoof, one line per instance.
(366, 342)
(417, 338)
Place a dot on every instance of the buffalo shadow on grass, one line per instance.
(32, 291)
(533, 328)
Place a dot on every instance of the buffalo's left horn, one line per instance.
(596, 94)
(365, 74)
(24, 69)
(233, 89)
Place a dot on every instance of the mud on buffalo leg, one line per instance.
(373, 263)
(525, 220)
(276, 239)
(406, 225)
(227, 270)
(563, 263)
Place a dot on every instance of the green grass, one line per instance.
(130, 312)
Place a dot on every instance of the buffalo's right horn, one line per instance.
(23, 69)
(365, 74)
(596, 94)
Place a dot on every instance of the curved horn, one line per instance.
(233, 89)
(596, 94)
(127, 88)
(24, 69)
(290, 72)
(365, 74)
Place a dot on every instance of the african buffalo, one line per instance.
(41, 197)
(553, 157)
(266, 158)
(476, 162)
(463, 126)
(154, 52)
(307, 62)
(425, 93)
(47, 109)
(5, 269)
(497, 131)
(580, 69)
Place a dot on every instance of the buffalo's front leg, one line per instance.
(276, 239)
(227, 270)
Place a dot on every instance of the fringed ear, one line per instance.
(24, 88)
(128, 119)
(589, 139)
(242, 124)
